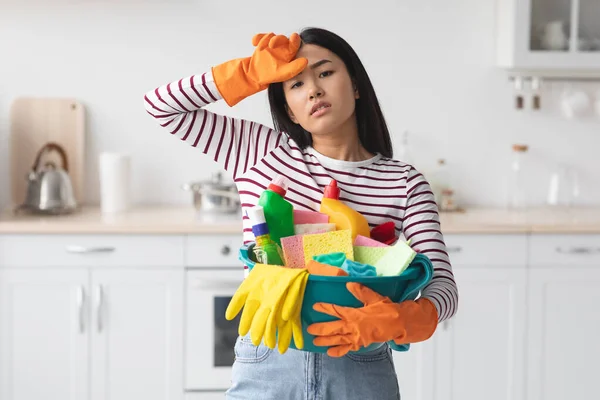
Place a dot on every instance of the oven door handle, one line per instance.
(218, 284)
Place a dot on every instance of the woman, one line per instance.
(328, 125)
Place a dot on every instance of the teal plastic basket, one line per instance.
(332, 289)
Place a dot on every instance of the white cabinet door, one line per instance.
(414, 369)
(480, 351)
(44, 334)
(548, 36)
(564, 323)
(137, 344)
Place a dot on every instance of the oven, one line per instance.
(209, 337)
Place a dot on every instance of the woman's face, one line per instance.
(322, 97)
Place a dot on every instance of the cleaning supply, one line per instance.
(317, 268)
(354, 268)
(395, 261)
(379, 320)
(265, 299)
(272, 61)
(304, 229)
(368, 242)
(279, 212)
(341, 215)
(369, 255)
(334, 259)
(293, 252)
(265, 249)
(328, 242)
(310, 217)
(385, 233)
(289, 324)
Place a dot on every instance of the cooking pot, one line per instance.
(214, 195)
(49, 188)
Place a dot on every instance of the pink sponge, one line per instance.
(293, 251)
(309, 217)
(368, 242)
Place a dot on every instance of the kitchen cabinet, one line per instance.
(124, 327)
(103, 316)
(415, 371)
(92, 330)
(480, 352)
(563, 319)
(549, 37)
(137, 334)
(44, 334)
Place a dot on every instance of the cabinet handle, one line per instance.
(80, 306)
(100, 307)
(454, 249)
(225, 250)
(214, 284)
(86, 250)
(577, 250)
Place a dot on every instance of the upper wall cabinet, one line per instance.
(549, 37)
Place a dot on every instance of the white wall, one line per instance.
(431, 61)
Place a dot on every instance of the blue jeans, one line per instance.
(262, 373)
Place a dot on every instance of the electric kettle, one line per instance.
(49, 189)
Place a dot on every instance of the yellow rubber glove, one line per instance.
(289, 322)
(259, 295)
(272, 61)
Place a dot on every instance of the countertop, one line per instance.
(185, 220)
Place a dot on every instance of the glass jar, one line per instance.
(516, 190)
(440, 180)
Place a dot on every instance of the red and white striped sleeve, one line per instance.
(236, 144)
(421, 225)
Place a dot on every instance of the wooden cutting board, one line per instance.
(37, 121)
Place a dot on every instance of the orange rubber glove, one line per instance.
(379, 320)
(272, 61)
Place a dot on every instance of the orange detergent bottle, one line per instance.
(341, 215)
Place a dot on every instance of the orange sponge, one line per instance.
(317, 268)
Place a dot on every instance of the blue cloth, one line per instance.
(354, 268)
(262, 373)
(333, 259)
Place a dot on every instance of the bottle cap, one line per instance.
(332, 191)
(256, 215)
(279, 185)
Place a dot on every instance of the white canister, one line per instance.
(575, 103)
(114, 171)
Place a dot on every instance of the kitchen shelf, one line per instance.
(555, 39)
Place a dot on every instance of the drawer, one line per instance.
(576, 250)
(213, 250)
(486, 250)
(91, 250)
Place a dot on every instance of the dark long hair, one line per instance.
(372, 129)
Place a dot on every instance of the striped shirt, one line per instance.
(380, 188)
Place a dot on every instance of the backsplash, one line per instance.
(435, 78)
